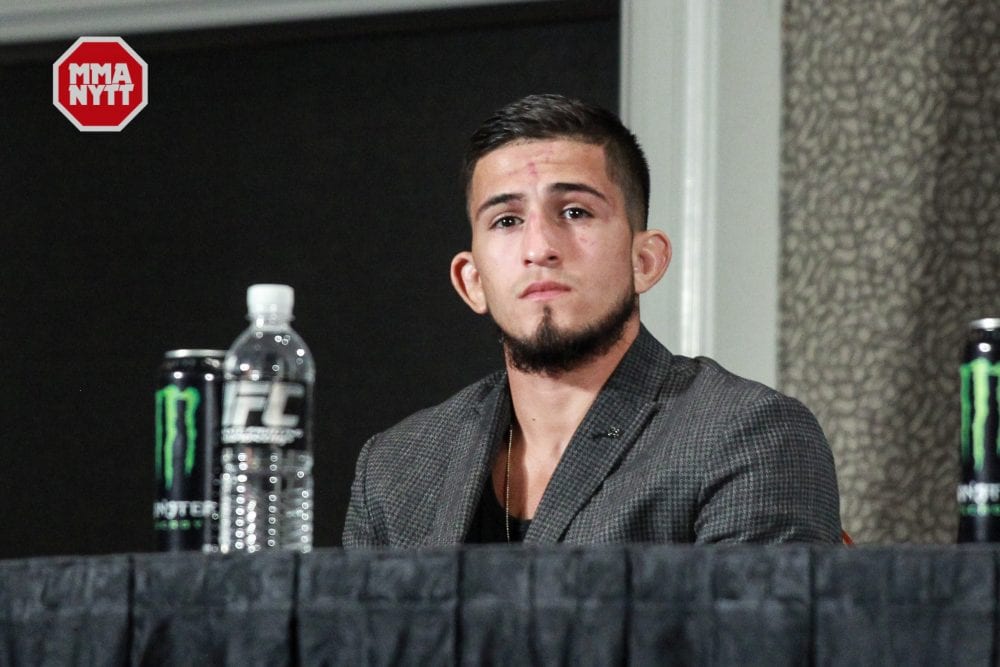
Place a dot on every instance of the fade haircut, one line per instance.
(539, 117)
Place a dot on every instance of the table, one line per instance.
(499, 604)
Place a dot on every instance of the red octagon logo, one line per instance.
(100, 84)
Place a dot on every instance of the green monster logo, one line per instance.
(976, 408)
(167, 400)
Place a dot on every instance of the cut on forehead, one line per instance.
(530, 141)
(560, 161)
(533, 154)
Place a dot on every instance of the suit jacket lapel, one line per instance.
(469, 465)
(611, 426)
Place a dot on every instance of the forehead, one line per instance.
(521, 163)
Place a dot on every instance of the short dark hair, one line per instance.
(555, 117)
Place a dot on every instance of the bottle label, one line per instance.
(265, 413)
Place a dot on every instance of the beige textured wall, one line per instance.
(890, 220)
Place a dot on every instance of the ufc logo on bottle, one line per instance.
(262, 412)
(267, 398)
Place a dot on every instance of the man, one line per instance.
(594, 433)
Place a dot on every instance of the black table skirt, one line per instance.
(642, 605)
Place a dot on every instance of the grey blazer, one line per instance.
(673, 449)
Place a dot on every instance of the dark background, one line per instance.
(324, 155)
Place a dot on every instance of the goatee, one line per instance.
(552, 351)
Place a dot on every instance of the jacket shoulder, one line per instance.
(707, 378)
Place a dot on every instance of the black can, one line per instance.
(979, 486)
(187, 460)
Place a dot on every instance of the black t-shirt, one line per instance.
(488, 524)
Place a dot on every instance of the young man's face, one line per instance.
(550, 239)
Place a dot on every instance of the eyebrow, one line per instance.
(498, 199)
(555, 187)
(577, 187)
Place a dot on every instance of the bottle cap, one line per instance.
(988, 323)
(270, 299)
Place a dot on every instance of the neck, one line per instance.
(548, 408)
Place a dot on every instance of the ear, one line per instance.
(465, 280)
(651, 254)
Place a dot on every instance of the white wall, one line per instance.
(701, 87)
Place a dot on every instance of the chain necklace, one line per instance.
(506, 483)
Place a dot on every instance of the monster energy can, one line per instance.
(188, 401)
(979, 487)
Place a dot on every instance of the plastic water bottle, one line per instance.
(266, 499)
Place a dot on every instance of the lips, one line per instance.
(546, 289)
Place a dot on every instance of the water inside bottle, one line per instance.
(266, 498)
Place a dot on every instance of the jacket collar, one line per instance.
(611, 426)
(470, 463)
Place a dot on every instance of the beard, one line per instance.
(553, 351)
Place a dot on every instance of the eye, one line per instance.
(505, 222)
(575, 213)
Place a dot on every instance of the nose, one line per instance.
(540, 242)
